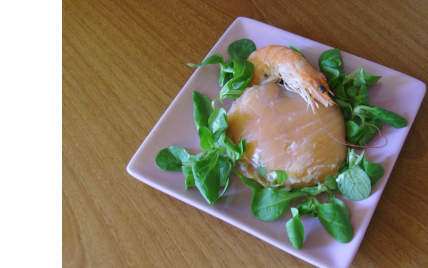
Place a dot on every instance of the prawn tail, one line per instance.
(330, 133)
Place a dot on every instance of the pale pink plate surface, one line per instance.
(395, 91)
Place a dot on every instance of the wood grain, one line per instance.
(123, 64)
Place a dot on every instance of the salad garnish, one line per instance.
(210, 170)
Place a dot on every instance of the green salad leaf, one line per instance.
(225, 170)
(171, 158)
(307, 207)
(206, 138)
(241, 49)
(217, 122)
(333, 199)
(188, 174)
(207, 177)
(235, 152)
(281, 177)
(335, 221)
(202, 109)
(270, 204)
(295, 48)
(242, 75)
(225, 73)
(354, 183)
(252, 183)
(235, 74)
(391, 118)
(330, 58)
(295, 230)
(261, 171)
(213, 59)
(375, 171)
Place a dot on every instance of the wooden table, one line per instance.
(123, 64)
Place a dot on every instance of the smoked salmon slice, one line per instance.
(283, 134)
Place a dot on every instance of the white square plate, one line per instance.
(395, 91)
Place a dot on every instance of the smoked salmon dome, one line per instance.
(283, 134)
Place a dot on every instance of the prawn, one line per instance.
(282, 64)
(275, 63)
